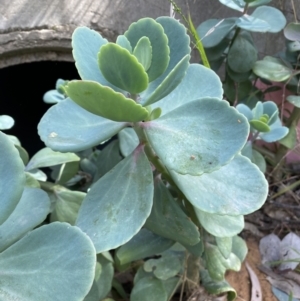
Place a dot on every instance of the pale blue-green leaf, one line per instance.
(142, 245)
(291, 139)
(128, 141)
(273, 16)
(140, 274)
(149, 289)
(164, 267)
(217, 287)
(272, 71)
(171, 285)
(179, 44)
(143, 52)
(170, 82)
(23, 154)
(275, 134)
(217, 264)
(251, 23)
(234, 4)
(212, 32)
(53, 96)
(225, 245)
(86, 44)
(68, 127)
(117, 206)
(258, 110)
(294, 46)
(197, 249)
(47, 157)
(271, 109)
(123, 42)
(240, 4)
(245, 110)
(6, 122)
(216, 55)
(67, 204)
(198, 137)
(108, 158)
(31, 181)
(247, 150)
(103, 280)
(239, 248)
(31, 210)
(292, 31)
(167, 218)
(38, 174)
(238, 188)
(242, 55)
(199, 82)
(12, 177)
(43, 257)
(220, 225)
(258, 159)
(14, 140)
(151, 29)
(294, 99)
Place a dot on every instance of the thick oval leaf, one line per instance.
(108, 158)
(275, 134)
(143, 52)
(164, 267)
(168, 220)
(292, 31)
(105, 102)
(117, 206)
(103, 280)
(170, 82)
(220, 225)
(23, 154)
(217, 264)
(47, 157)
(179, 44)
(31, 210)
(128, 140)
(271, 70)
(217, 287)
(212, 32)
(199, 82)
(238, 76)
(86, 44)
(142, 245)
(151, 29)
(53, 96)
(46, 259)
(6, 122)
(259, 126)
(273, 16)
(294, 99)
(258, 159)
(123, 42)
(67, 204)
(12, 177)
(242, 55)
(149, 289)
(238, 188)
(251, 23)
(198, 137)
(239, 248)
(68, 127)
(122, 69)
(234, 4)
(224, 245)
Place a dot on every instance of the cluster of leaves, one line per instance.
(174, 182)
(229, 42)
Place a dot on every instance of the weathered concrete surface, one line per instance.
(33, 30)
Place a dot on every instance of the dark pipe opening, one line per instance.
(21, 96)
